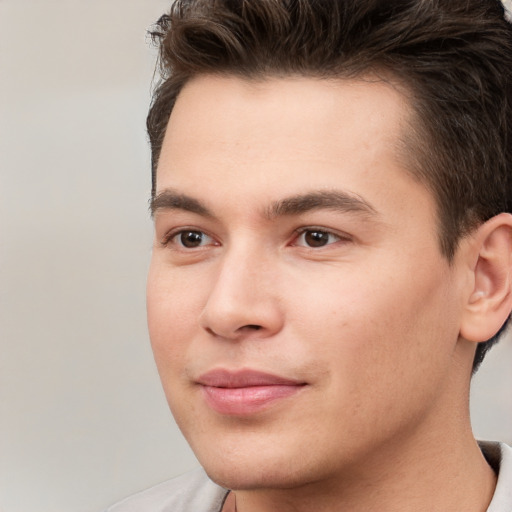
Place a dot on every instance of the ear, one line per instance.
(490, 301)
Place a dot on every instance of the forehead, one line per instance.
(266, 117)
(280, 137)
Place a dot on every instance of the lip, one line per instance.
(245, 392)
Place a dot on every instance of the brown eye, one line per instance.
(192, 239)
(316, 238)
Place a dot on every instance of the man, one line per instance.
(332, 252)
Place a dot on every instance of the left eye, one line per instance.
(316, 238)
(191, 239)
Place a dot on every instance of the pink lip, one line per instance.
(245, 392)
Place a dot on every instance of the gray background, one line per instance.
(83, 421)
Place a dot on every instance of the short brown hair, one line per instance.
(453, 56)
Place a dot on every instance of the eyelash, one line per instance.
(173, 234)
(314, 229)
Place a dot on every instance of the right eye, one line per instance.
(191, 239)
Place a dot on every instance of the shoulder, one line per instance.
(191, 492)
(499, 456)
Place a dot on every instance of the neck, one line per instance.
(434, 465)
(448, 475)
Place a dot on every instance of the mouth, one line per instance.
(245, 392)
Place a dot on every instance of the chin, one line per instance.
(237, 467)
(260, 466)
(251, 476)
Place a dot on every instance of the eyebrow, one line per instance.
(340, 201)
(172, 200)
(336, 200)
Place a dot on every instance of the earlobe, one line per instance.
(490, 301)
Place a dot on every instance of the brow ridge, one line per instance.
(294, 205)
(169, 199)
(318, 200)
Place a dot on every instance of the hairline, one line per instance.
(413, 141)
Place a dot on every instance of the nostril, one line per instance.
(252, 327)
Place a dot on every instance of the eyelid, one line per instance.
(341, 236)
(169, 235)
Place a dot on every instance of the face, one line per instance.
(302, 317)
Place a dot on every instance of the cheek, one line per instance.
(369, 327)
(172, 312)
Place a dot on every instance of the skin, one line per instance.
(371, 320)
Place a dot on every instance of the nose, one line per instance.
(243, 301)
